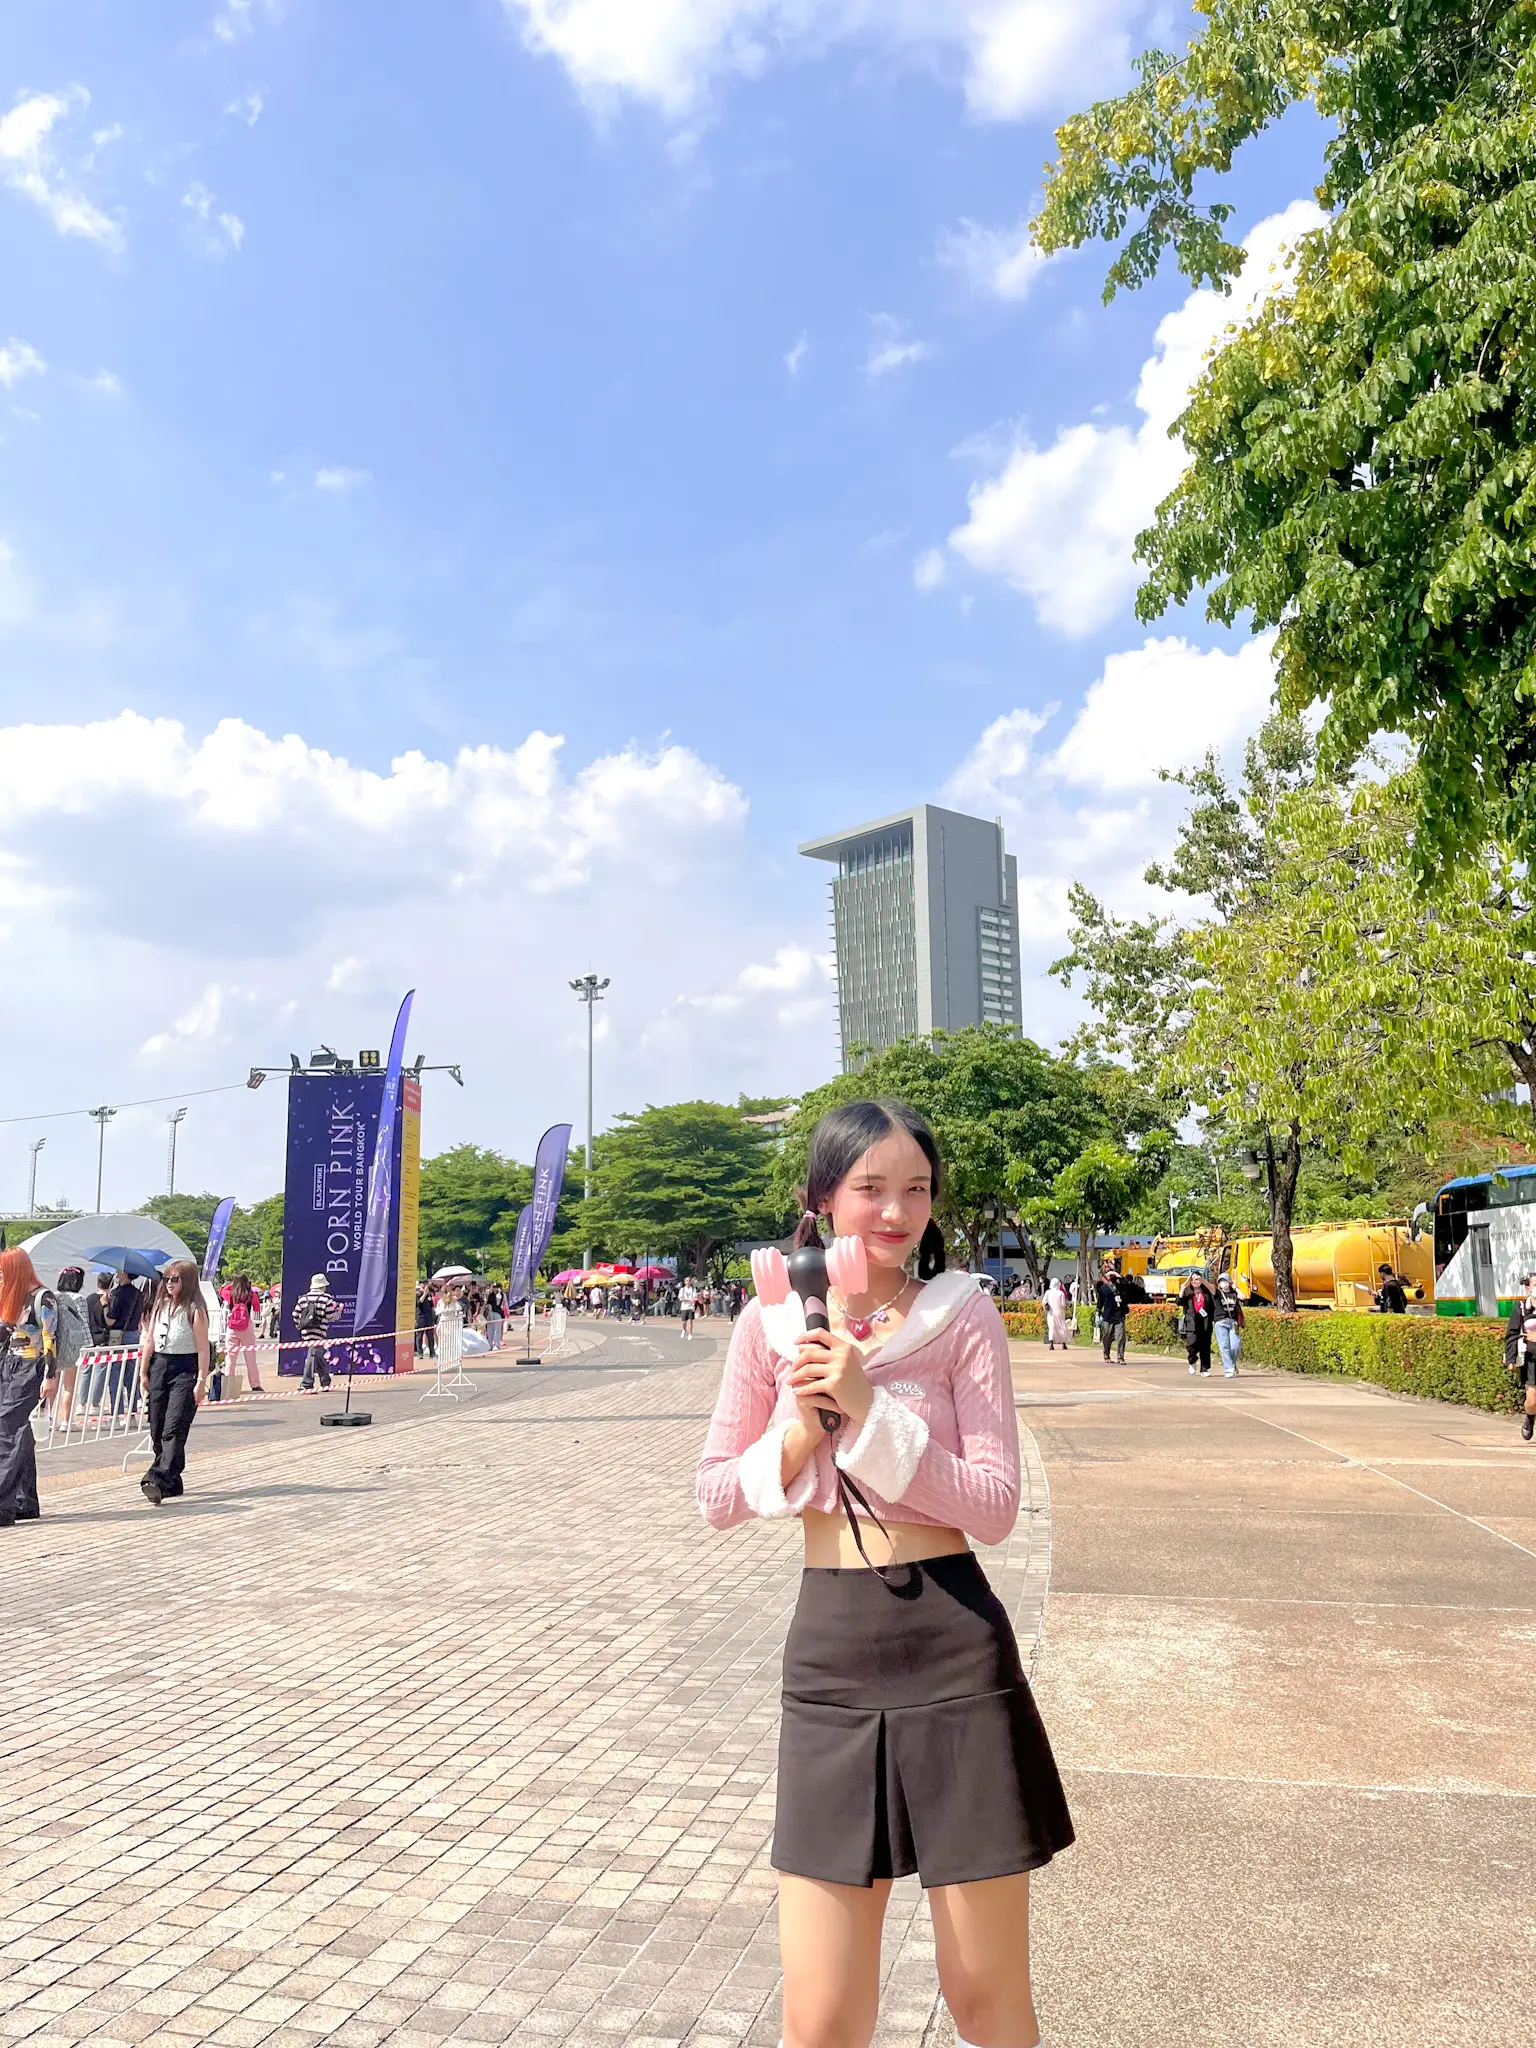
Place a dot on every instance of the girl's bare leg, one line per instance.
(981, 1932)
(829, 1939)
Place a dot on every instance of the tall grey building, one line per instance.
(925, 911)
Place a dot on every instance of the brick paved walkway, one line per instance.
(460, 1728)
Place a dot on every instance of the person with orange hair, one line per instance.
(29, 1321)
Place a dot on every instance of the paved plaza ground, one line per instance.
(462, 1727)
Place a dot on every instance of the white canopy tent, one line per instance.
(67, 1244)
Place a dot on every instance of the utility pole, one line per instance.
(589, 990)
(174, 1120)
(102, 1116)
(37, 1146)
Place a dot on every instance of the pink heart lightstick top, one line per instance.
(809, 1272)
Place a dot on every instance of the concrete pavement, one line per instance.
(462, 1728)
(1289, 1668)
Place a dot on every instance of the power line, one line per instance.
(144, 1102)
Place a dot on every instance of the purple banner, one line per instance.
(218, 1230)
(378, 1236)
(333, 1122)
(548, 1180)
(520, 1257)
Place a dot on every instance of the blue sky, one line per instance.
(668, 376)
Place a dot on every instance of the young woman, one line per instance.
(1520, 1348)
(1056, 1316)
(173, 1371)
(29, 1324)
(240, 1331)
(909, 1738)
(1197, 1317)
(1228, 1326)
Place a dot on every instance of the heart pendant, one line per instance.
(859, 1327)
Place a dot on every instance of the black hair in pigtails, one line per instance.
(931, 1256)
(807, 1231)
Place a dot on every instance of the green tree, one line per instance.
(682, 1178)
(1100, 1189)
(253, 1244)
(190, 1216)
(1007, 1116)
(470, 1198)
(1331, 1011)
(1362, 470)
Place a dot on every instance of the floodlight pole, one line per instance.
(589, 990)
(174, 1120)
(37, 1146)
(102, 1115)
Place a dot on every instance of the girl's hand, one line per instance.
(829, 1373)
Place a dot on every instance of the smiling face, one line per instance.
(887, 1199)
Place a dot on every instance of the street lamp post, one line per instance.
(37, 1146)
(174, 1120)
(589, 990)
(103, 1116)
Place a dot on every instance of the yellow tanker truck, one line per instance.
(1333, 1264)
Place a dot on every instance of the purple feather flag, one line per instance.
(218, 1230)
(373, 1268)
(539, 1216)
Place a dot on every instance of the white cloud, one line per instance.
(202, 1022)
(107, 383)
(1095, 804)
(218, 231)
(796, 356)
(1000, 263)
(890, 349)
(337, 479)
(237, 19)
(1059, 523)
(1091, 807)
(19, 359)
(928, 569)
(1163, 705)
(28, 165)
(276, 895)
(1016, 56)
(247, 108)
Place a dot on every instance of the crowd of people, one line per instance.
(630, 1300)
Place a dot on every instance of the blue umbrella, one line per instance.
(122, 1258)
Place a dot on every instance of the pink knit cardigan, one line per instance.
(940, 1444)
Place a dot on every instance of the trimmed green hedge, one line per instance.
(1442, 1358)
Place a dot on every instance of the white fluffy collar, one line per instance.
(941, 1300)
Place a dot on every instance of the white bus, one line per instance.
(1485, 1241)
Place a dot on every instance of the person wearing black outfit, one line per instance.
(28, 1374)
(1110, 1304)
(124, 1308)
(173, 1371)
(426, 1322)
(1391, 1295)
(1520, 1349)
(96, 1311)
(1197, 1320)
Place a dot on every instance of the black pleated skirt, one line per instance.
(910, 1739)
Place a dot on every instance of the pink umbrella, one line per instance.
(564, 1279)
(654, 1273)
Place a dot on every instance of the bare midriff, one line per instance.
(829, 1541)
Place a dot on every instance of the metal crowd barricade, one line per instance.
(450, 1356)
(98, 1399)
